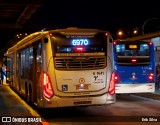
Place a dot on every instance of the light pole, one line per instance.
(146, 21)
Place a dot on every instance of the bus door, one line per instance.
(37, 64)
(32, 87)
(19, 72)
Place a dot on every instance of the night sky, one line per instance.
(102, 14)
(107, 15)
(113, 15)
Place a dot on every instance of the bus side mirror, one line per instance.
(45, 40)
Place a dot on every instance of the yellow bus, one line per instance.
(63, 68)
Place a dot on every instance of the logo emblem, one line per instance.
(81, 85)
(81, 80)
(64, 87)
(133, 77)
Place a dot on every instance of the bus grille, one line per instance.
(69, 63)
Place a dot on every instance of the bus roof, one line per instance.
(131, 40)
(67, 31)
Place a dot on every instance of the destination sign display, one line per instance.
(133, 46)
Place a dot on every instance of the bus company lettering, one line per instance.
(82, 86)
(98, 73)
(34, 120)
(21, 119)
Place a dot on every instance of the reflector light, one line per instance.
(151, 74)
(47, 86)
(150, 77)
(112, 83)
(150, 43)
(114, 43)
(106, 34)
(50, 34)
(79, 49)
(134, 60)
(116, 78)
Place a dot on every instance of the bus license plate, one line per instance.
(82, 102)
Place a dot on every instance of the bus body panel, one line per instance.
(133, 74)
(59, 101)
(87, 80)
(135, 88)
(83, 101)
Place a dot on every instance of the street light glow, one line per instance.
(120, 33)
(135, 31)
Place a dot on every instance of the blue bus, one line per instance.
(134, 65)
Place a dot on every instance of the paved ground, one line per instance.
(8, 108)
(155, 95)
(13, 108)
